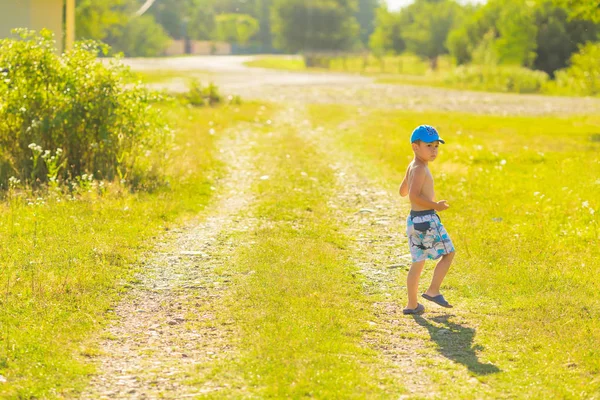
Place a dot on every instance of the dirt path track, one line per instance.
(230, 73)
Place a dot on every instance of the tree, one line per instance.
(96, 19)
(516, 42)
(314, 25)
(479, 23)
(582, 9)
(186, 19)
(365, 16)
(558, 36)
(387, 37)
(236, 28)
(426, 25)
(141, 37)
(112, 22)
(541, 35)
(265, 35)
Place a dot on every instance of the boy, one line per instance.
(427, 237)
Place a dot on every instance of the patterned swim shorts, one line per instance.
(427, 237)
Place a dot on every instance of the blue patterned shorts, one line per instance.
(427, 237)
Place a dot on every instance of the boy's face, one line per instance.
(426, 151)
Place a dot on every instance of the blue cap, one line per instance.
(425, 133)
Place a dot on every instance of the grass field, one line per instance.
(523, 194)
(524, 218)
(66, 259)
(299, 304)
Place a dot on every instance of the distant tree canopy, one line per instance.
(426, 25)
(582, 9)
(387, 37)
(540, 34)
(96, 19)
(236, 28)
(559, 36)
(365, 16)
(318, 25)
(112, 21)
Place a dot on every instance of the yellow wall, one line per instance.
(32, 14)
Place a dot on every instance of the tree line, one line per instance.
(538, 34)
(254, 25)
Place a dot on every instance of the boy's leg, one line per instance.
(412, 283)
(441, 269)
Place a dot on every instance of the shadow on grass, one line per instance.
(455, 342)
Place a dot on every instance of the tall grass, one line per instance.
(524, 218)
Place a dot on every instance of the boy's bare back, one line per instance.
(420, 181)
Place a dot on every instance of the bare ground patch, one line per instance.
(166, 326)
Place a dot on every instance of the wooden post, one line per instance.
(70, 25)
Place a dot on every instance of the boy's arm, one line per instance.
(414, 192)
(404, 186)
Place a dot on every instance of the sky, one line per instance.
(397, 4)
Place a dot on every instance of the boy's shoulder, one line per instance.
(415, 166)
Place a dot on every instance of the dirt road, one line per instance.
(230, 73)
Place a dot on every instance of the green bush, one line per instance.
(201, 96)
(498, 79)
(65, 116)
(583, 75)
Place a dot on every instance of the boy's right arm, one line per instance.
(404, 186)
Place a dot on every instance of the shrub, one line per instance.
(499, 79)
(64, 116)
(201, 96)
(582, 77)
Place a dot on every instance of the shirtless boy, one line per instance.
(427, 237)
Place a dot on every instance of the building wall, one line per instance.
(32, 14)
(199, 47)
(13, 14)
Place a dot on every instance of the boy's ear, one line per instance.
(415, 146)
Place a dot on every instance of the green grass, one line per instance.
(298, 303)
(65, 260)
(524, 195)
(162, 76)
(407, 64)
(289, 63)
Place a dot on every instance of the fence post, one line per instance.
(70, 25)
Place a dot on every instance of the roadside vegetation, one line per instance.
(580, 79)
(73, 233)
